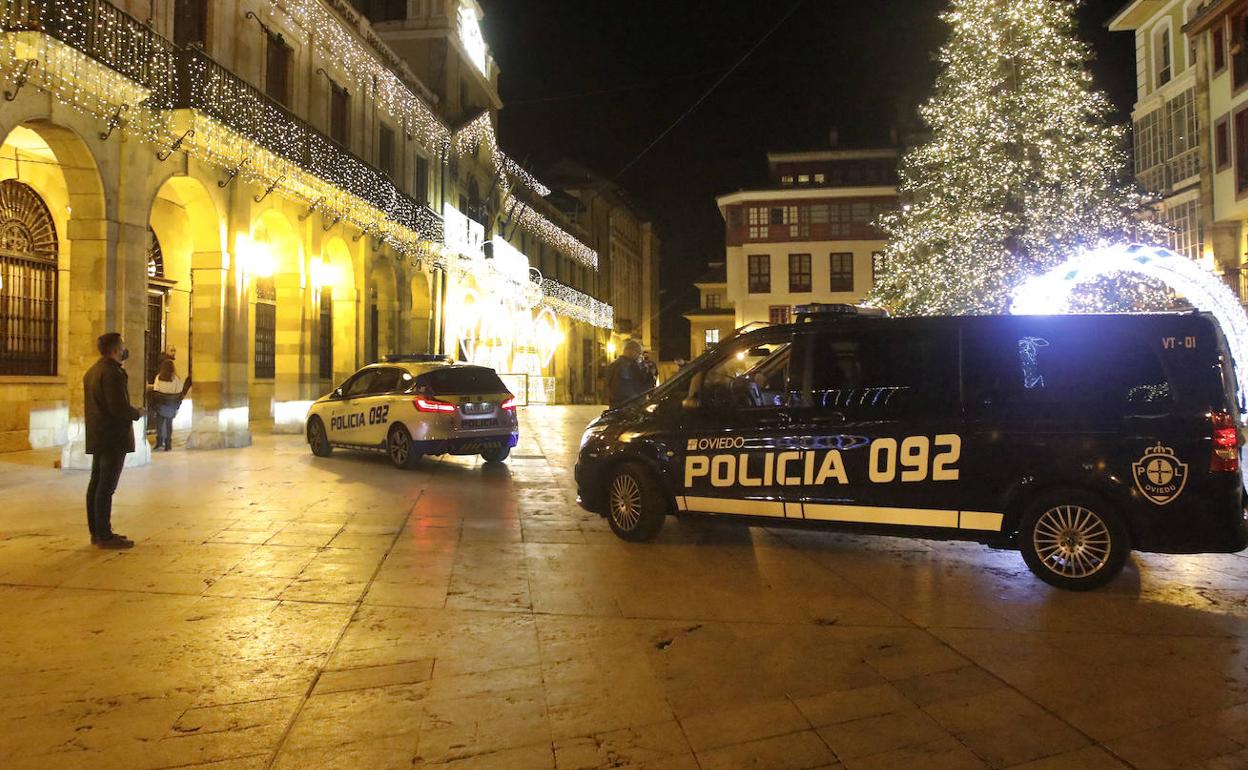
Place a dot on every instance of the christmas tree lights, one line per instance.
(1021, 170)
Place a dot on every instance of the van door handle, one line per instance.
(781, 420)
(834, 418)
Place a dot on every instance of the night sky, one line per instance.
(597, 82)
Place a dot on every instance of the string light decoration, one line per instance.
(91, 57)
(1054, 291)
(480, 132)
(569, 302)
(364, 66)
(1022, 167)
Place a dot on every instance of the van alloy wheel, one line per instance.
(399, 447)
(1072, 541)
(625, 502)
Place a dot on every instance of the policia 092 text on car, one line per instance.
(409, 406)
(1071, 438)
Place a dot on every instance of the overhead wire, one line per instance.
(714, 86)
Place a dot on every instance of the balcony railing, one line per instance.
(100, 30)
(207, 87)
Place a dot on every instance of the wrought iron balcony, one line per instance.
(100, 30)
(203, 85)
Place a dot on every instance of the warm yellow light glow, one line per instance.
(611, 349)
(255, 258)
(324, 273)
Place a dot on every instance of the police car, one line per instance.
(410, 406)
(1074, 439)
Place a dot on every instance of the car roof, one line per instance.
(420, 367)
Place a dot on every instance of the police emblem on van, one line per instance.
(1159, 475)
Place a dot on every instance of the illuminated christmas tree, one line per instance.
(1022, 169)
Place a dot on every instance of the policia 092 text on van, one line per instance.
(1071, 438)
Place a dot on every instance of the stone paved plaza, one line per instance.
(285, 611)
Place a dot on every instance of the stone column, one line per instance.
(218, 354)
(292, 389)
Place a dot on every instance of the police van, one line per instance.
(414, 405)
(1074, 439)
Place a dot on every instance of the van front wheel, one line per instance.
(1073, 540)
(635, 504)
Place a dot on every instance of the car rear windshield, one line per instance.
(463, 381)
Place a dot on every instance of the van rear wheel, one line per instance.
(636, 505)
(1073, 539)
(400, 449)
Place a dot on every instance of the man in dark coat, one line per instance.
(109, 436)
(625, 377)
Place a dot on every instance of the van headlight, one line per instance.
(591, 433)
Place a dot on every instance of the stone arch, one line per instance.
(334, 282)
(420, 314)
(381, 309)
(1051, 292)
(61, 172)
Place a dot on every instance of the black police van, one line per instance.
(1072, 438)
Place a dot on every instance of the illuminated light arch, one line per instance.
(1050, 293)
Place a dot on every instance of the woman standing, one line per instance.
(167, 392)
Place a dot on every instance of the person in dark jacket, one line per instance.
(625, 377)
(109, 436)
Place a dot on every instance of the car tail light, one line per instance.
(510, 404)
(433, 406)
(1225, 443)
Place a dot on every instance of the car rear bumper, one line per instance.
(466, 445)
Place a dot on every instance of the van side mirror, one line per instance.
(337, 393)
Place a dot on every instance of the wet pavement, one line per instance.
(286, 611)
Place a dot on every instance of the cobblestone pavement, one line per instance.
(293, 612)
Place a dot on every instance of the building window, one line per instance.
(1190, 11)
(778, 314)
(1222, 144)
(1183, 222)
(799, 273)
(190, 23)
(1239, 50)
(786, 180)
(1217, 40)
(277, 57)
(759, 273)
(1241, 152)
(712, 338)
(758, 223)
(326, 362)
(385, 150)
(820, 178)
(266, 339)
(28, 282)
(803, 178)
(422, 179)
(1161, 54)
(339, 114)
(842, 269)
(712, 300)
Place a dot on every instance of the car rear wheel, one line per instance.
(635, 503)
(1073, 540)
(399, 448)
(317, 440)
(496, 455)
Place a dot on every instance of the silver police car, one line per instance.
(411, 406)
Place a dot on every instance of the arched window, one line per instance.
(28, 282)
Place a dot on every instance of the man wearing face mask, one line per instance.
(109, 436)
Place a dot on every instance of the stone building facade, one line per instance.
(272, 192)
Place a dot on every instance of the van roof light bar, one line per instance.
(822, 310)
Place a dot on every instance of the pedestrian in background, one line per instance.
(650, 368)
(110, 436)
(625, 377)
(167, 392)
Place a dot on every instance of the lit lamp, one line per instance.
(611, 349)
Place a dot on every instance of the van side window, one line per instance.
(1060, 366)
(756, 377)
(886, 372)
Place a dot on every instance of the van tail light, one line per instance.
(1225, 443)
(433, 406)
(510, 404)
